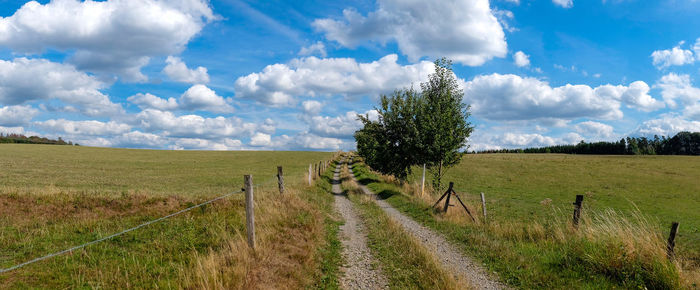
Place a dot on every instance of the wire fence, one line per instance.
(15, 267)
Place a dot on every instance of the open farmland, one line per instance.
(56, 197)
(528, 239)
(665, 188)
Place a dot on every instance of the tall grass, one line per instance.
(627, 249)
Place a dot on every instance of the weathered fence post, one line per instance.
(310, 174)
(422, 183)
(249, 210)
(449, 192)
(483, 205)
(280, 179)
(577, 209)
(320, 168)
(672, 241)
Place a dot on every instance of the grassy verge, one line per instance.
(405, 263)
(55, 197)
(609, 250)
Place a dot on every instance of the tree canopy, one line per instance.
(427, 127)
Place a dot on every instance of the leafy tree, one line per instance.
(414, 128)
(442, 121)
(389, 144)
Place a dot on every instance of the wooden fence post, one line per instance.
(249, 210)
(320, 168)
(483, 205)
(449, 192)
(672, 241)
(577, 209)
(280, 179)
(422, 183)
(310, 174)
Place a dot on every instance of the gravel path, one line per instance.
(358, 271)
(449, 256)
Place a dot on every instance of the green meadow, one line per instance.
(629, 204)
(56, 197)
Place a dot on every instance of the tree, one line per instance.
(415, 128)
(442, 121)
(389, 144)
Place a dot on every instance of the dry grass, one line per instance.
(406, 263)
(288, 230)
(622, 248)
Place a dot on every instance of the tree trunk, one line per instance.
(439, 176)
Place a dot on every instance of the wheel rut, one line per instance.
(451, 258)
(360, 270)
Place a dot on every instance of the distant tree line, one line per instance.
(683, 143)
(21, 139)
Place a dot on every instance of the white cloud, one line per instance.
(636, 95)
(317, 48)
(193, 126)
(260, 140)
(675, 56)
(308, 141)
(11, 116)
(203, 144)
(114, 36)
(677, 90)
(311, 108)
(177, 70)
(465, 31)
(89, 127)
(279, 84)
(24, 80)
(595, 131)
(200, 97)
(12, 130)
(564, 3)
(511, 97)
(521, 59)
(148, 101)
(343, 126)
(668, 125)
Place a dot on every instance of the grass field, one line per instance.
(55, 197)
(528, 239)
(666, 188)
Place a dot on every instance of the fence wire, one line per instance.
(15, 267)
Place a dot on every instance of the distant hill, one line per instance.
(21, 139)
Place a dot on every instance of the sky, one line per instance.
(293, 75)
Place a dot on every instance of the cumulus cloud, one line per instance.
(24, 80)
(317, 48)
(636, 95)
(511, 97)
(279, 84)
(343, 126)
(196, 98)
(11, 116)
(675, 56)
(677, 90)
(89, 127)
(177, 70)
(521, 59)
(203, 144)
(193, 126)
(306, 140)
(200, 97)
(595, 131)
(114, 36)
(564, 3)
(149, 101)
(465, 31)
(260, 140)
(668, 125)
(311, 108)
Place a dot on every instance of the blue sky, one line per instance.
(292, 75)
